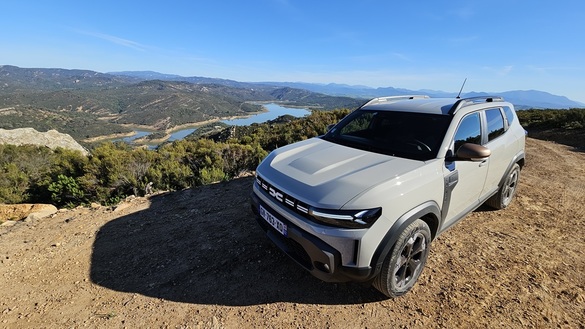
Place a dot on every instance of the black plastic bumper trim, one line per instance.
(317, 251)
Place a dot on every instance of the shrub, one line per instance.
(65, 191)
(14, 184)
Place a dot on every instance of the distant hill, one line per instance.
(522, 99)
(87, 104)
(146, 75)
(540, 100)
(16, 79)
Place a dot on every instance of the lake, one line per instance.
(180, 134)
(139, 134)
(273, 112)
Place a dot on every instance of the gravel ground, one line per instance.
(197, 259)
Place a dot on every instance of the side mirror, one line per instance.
(330, 126)
(473, 152)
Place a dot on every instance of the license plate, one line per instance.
(273, 221)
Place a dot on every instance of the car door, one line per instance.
(501, 148)
(468, 177)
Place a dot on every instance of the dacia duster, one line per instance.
(364, 201)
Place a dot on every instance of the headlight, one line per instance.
(347, 218)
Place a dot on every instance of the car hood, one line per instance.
(329, 175)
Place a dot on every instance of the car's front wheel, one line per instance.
(405, 261)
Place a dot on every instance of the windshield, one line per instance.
(409, 135)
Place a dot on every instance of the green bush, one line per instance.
(14, 184)
(211, 175)
(65, 191)
(551, 119)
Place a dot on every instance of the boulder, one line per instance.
(24, 211)
(51, 139)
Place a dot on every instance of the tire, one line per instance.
(405, 261)
(505, 194)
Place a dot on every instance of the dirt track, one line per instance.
(196, 259)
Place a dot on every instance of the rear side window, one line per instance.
(509, 115)
(469, 131)
(495, 123)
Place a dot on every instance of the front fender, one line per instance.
(428, 211)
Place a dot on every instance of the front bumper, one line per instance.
(316, 256)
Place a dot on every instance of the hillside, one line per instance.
(87, 104)
(196, 259)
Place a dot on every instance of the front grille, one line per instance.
(283, 198)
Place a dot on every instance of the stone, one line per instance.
(26, 211)
(29, 136)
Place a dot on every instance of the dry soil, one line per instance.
(197, 259)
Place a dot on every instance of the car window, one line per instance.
(402, 134)
(359, 126)
(509, 115)
(469, 131)
(495, 123)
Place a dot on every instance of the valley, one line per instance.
(88, 105)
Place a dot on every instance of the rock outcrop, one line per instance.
(16, 212)
(51, 139)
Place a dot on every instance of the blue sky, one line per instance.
(426, 44)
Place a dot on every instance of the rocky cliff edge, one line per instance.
(51, 139)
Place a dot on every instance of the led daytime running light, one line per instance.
(332, 216)
(347, 218)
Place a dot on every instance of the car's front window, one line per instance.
(404, 134)
(469, 131)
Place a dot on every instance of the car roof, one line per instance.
(426, 104)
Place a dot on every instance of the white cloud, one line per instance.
(502, 71)
(505, 70)
(116, 40)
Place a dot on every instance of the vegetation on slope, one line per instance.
(65, 99)
(79, 125)
(116, 170)
(562, 126)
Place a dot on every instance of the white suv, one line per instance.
(364, 201)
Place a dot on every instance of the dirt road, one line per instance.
(196, 259)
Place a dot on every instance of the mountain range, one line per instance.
(522, 99)
(88, 104)
(73, 101)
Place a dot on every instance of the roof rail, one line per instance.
(386, 99)
(463, 102)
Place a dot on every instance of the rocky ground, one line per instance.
(197, 259)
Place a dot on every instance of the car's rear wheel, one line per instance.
(406, 260)
(506, 193)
